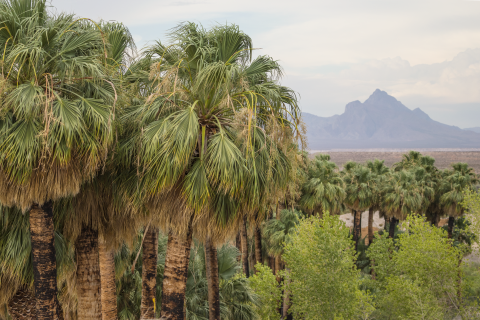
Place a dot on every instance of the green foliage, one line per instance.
(360, 186)
(471, 203)
(419, 279)
(471, 281)
(276, 232)
(324, 280)
(57, 105)
(324, 190)
(408, 299)
(266, 287)
(461, 235)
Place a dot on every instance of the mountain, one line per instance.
(474, 129)
(384, 122)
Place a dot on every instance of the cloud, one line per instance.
(337, 51)
(443, 89)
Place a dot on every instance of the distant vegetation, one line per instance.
(172, 182)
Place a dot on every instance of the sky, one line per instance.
(425, 53)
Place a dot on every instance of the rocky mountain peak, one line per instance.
(420, 113)
(384, 122)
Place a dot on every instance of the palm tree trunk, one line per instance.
(451, 223)
(213, 281)
(278, 267)
(258, 246)
(271, 263)
(44, 261)
(107, 278)
(370, 225)
(88, 276)
(246, 269)
(436, 220)
(175, 275)
(393, 222)
(357, 227)
(238, 244)
(149, 273)
(22, 305)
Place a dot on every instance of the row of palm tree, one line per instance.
(195, 137)
(413, 185)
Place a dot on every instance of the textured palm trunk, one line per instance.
(238, 244)
(175, 276)
(451, 224)
(357, 227)
(149, 273)
(370, 225)
(271, 263)
(258, 246)
(22, 306)
(244, 241)
(393, 222)
(278, 267)
(88, 276)
(44, 262)
(436, 219)
(213, 281)
(107, 278)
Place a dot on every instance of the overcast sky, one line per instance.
(426, 53)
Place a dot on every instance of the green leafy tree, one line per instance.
(265, 286)
(471, 203)
(324, 280)
(420, 279)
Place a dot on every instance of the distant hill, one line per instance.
(384, 122)
(474, 129)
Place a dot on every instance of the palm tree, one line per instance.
(190, 158)
(409, 160)
(360, 186)
(324, 189)
(454, 184)
(57, 120)
(379, 170)
(96, 214)
(406, 192)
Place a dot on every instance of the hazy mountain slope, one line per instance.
(474, 129)
(384, 122)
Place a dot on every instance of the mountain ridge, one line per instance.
(384, 122)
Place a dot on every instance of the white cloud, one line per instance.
(441, 89)
(336, 51)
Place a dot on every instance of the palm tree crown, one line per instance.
(324, 189)
(56, 106)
